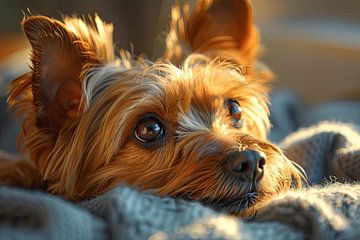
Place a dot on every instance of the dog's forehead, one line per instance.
(203, 88)
(173, 89)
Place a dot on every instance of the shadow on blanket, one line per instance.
(327, 211)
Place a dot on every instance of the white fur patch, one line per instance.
(193, 121)
(99, 78)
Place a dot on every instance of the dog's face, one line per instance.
(196, 131)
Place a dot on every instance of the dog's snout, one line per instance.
(248, 165)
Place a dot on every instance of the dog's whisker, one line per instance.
(300, 169)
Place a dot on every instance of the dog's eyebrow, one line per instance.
(194, 121)
(97, 79)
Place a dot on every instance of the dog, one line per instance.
(191, 125)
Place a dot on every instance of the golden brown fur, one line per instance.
(80, 113)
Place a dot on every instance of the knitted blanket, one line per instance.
(324, 210)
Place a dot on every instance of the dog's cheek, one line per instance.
(195, 177)
(141, 167)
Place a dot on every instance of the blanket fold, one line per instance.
(28, 214)
(326, 149)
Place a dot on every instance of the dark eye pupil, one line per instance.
(234, 108)
(149, 130)
(235, 113)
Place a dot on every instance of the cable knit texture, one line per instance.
(327, 209)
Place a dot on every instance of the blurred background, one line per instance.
(313, 47)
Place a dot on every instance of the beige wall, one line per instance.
(313, 47)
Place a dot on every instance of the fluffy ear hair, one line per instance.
(213, 25)
(60, 52)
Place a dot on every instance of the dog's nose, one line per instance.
(248, 165)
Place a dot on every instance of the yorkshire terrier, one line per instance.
(192, 124)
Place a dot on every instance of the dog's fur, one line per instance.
(81, 105)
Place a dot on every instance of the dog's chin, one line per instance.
(243, 205)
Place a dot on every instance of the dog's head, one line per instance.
(191, 125)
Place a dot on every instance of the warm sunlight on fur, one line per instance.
(192, 125)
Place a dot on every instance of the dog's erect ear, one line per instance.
(212, 25)
(57, 65)
(60, 50)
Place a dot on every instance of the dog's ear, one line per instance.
(60, 51)
(57, 65)
(213, 25)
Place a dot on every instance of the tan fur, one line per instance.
(89, 153)
(18, 172)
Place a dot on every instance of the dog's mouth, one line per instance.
(234, 205)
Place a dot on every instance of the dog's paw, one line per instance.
(18, 173)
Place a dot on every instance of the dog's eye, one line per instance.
(234, 113)
(149, 130)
